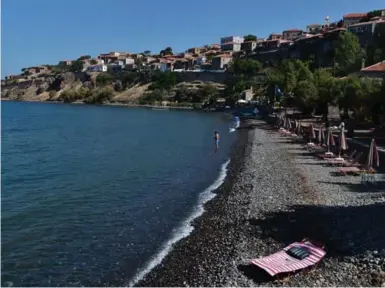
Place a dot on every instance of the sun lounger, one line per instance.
(351, 158)
(355, 170)
(326, 155)
(355, 161)
(296, 256)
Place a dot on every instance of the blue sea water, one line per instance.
(95, 195)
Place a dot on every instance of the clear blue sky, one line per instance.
(46, 31)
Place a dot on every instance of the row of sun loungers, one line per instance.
(300, 255)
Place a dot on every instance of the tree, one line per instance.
(250, 37)
(166, 51)
(118, 87)
(305, 94)
(84, 57)
(104, 79)
(348, 53)
(209, 93)
(324, 84)
(247, 67)
(371, 14)
(76, 66)
(93, 62)
(147, 52)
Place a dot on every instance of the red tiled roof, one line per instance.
(251, 41)
(355, 15)
(378, 67)
(275, 34)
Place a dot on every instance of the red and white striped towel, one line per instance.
(282, 262)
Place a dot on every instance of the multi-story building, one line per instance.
(97, 68)
(365, 31)
(274, 36)
(65, 62)
(231, 43)
(231, 46)
(353, 18)
(200, 60)
(166, 65)
(292, 34)
(249, 46)
(221, 62)
(194, 50)
(314, 28)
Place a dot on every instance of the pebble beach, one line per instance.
(276, 193)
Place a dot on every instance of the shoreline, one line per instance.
(106, 104)
(272, 189)
(154, 277)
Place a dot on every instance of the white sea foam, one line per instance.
(185, 229)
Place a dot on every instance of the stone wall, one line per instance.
(216, 77)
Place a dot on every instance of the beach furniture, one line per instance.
(373, 160)
(352, 157)
(311, 136)
(296, 256)
(354, 162)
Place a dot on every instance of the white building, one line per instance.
(97, 68)
(232, 39)
(200, 60)
(231, 43)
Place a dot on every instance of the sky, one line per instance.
(35, 32)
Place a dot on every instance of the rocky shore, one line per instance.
(277, 193)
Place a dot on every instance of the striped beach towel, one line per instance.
(282, 262)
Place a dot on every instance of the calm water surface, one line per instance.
(90, 193)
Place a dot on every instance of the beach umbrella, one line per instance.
(373, 157)
(342, 142)
(321, 137)
(288, 124)
(330, 139)
(311, 132)
(299, 128)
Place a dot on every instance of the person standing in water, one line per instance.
(216, 140)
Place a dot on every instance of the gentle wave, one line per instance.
(185, 229)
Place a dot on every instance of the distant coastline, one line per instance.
(108, 104)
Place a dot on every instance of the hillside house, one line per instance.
(365, 31)
(314, 28)
(231, 43)
(375, 71)
(221, 62)
(97, 68)
(274, 36)
(249, 46)
(194, 50)
(65, 62)
(352, 18)
(291, 34)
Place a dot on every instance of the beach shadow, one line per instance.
(378, 186)
(255, 273)
(345, 231)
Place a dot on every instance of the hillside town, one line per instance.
(215, 58)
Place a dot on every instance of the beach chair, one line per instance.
(355, 162)
(355, 170)
(296, 256)
(352, 157)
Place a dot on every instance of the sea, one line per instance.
(96, 195)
